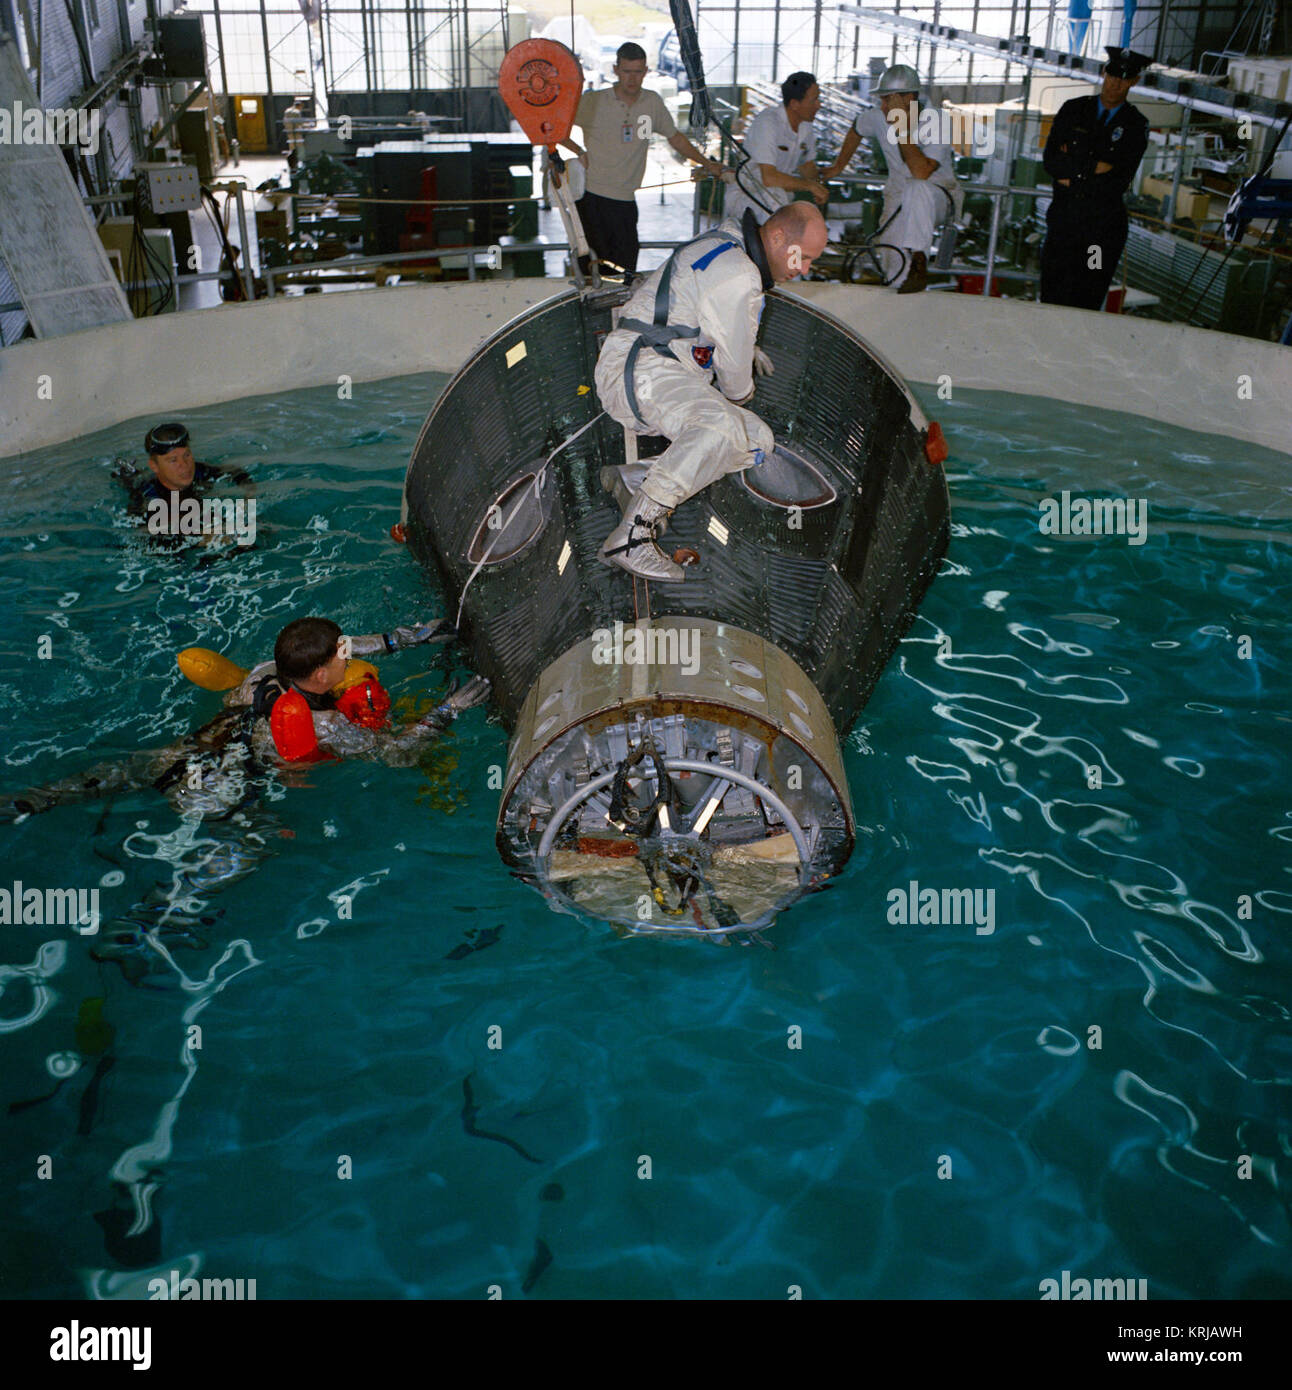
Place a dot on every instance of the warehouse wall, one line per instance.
(64, 78)
(64, 73)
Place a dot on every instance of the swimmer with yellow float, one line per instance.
(315, 699)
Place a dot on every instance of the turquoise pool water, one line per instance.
(925, 1048)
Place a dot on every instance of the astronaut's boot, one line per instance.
(631, 545)
(622, 480)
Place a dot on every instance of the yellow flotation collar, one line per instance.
(212, 671)
(209, 669)
(356, 671)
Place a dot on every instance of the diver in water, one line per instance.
(307, 704)
(681, 363)
(315, 701)
(169, 501)
(310, 703)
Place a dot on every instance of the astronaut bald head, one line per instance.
(793, 238)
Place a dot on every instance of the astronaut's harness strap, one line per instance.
(659, 333)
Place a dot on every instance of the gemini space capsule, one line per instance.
(674, 763)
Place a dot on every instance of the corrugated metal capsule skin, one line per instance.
(809, 574)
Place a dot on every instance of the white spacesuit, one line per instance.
(679, 364)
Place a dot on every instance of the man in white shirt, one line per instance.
(294, 122)
(781, 145)
(681, 363)
(921, 190)
(617, 124)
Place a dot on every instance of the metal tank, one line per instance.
(674, 764)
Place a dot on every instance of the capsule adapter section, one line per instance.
(679, 777)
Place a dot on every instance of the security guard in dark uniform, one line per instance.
(1095, 146)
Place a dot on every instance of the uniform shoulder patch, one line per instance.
(701, 262)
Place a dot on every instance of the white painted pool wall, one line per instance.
(1213, 383)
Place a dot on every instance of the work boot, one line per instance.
(918, 277)
(623, 479)
(631, 545)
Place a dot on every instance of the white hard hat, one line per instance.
(898, 78)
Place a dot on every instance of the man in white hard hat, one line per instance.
(694, 319)
(922, 189)
(781, 148)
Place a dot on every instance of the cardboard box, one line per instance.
(1263, 77)
(272, 222)
(1190, 202)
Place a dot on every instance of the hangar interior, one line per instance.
(239, 149)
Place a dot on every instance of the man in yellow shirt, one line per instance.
(617, 124)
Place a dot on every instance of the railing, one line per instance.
(996, 192)
(491, 256)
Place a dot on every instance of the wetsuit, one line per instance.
(1089, 211)
(145, 487)
(207, 774)
(298, 726)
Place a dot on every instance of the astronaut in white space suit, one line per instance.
(681, 364)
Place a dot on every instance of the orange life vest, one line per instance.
(291, 721)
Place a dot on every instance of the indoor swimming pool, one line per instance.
(414, 1080)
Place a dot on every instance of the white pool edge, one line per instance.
(62, 388)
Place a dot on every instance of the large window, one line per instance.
(290, 57)
(244, 49)
(402, 45)
(362, 45)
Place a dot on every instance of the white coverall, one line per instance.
(718, 289)
(294, 122)
(770, 139)
(920, 205)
